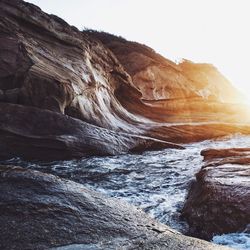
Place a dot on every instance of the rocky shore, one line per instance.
(41, 211)
(67, 94)
(219, 199)
(125, 89)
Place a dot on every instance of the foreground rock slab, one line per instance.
(219, 199)
(41, 211)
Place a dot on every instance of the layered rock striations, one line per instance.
(49, 65)
(219, 199)
(105, 81)
(34, 133)
(189, 89)
(158, 78)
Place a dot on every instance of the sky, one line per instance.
(212, 31)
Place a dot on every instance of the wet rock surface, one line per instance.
(219, 199)
(41, 211)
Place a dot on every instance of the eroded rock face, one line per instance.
(219, 199)
(158, 78)
(107, 82)
(40, 211)
(42, 134)
(177, 93)
(48, 64)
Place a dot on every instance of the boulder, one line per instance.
(219, 200)
(41, 211)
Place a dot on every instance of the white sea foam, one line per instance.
(156, 181)
(240, 241)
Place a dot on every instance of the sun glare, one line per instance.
(200, 31)
(239, 77)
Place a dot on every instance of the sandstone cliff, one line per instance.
(179, 92)
(105, 81)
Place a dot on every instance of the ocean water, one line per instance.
(156, 181)
(239, 241)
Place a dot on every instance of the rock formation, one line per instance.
(41, 211)
(219, 199)
(188, 90)
(104, 81)
(42, 134)
(158, 78)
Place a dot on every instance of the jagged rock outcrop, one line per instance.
(219, 199)
(49, 65)
(40, 211)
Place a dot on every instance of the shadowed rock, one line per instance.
(41, 211)
(219, 199)
(42, 134)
